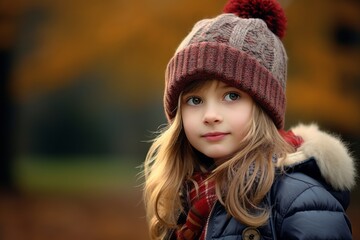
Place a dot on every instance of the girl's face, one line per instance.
(216, 118)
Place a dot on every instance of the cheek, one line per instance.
(188, 125)
(242, 120)
(187, 120)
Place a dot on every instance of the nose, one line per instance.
(212, 115)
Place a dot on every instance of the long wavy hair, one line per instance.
(171, 161)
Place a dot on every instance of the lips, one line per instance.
(215, 136)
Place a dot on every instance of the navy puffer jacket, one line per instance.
(308, 200)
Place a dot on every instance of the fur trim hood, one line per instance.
(335, 163)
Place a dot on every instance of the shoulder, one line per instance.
(303, 205)
(313, 191)
(297, 191)
(333, 159)
(321, 165)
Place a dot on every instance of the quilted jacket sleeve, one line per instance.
(305, 209)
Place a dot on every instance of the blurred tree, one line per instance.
(130, 43)
(9, 27)
(6, 122)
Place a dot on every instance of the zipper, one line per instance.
(271, 220)
(208, 220)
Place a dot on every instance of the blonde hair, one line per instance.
(171, 160)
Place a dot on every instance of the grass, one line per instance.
(76, 174)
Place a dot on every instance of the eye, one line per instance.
(233, 96)
(194, 101)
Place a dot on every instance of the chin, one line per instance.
(219, 157)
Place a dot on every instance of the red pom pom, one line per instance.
(268, 10)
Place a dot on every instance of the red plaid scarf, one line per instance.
(201, 196)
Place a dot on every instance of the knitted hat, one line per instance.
(240, 47)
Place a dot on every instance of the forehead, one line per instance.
(204, 84)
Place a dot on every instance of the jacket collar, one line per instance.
(331, 155)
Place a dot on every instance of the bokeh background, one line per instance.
(81, 96)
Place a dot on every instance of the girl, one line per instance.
(224, 168)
